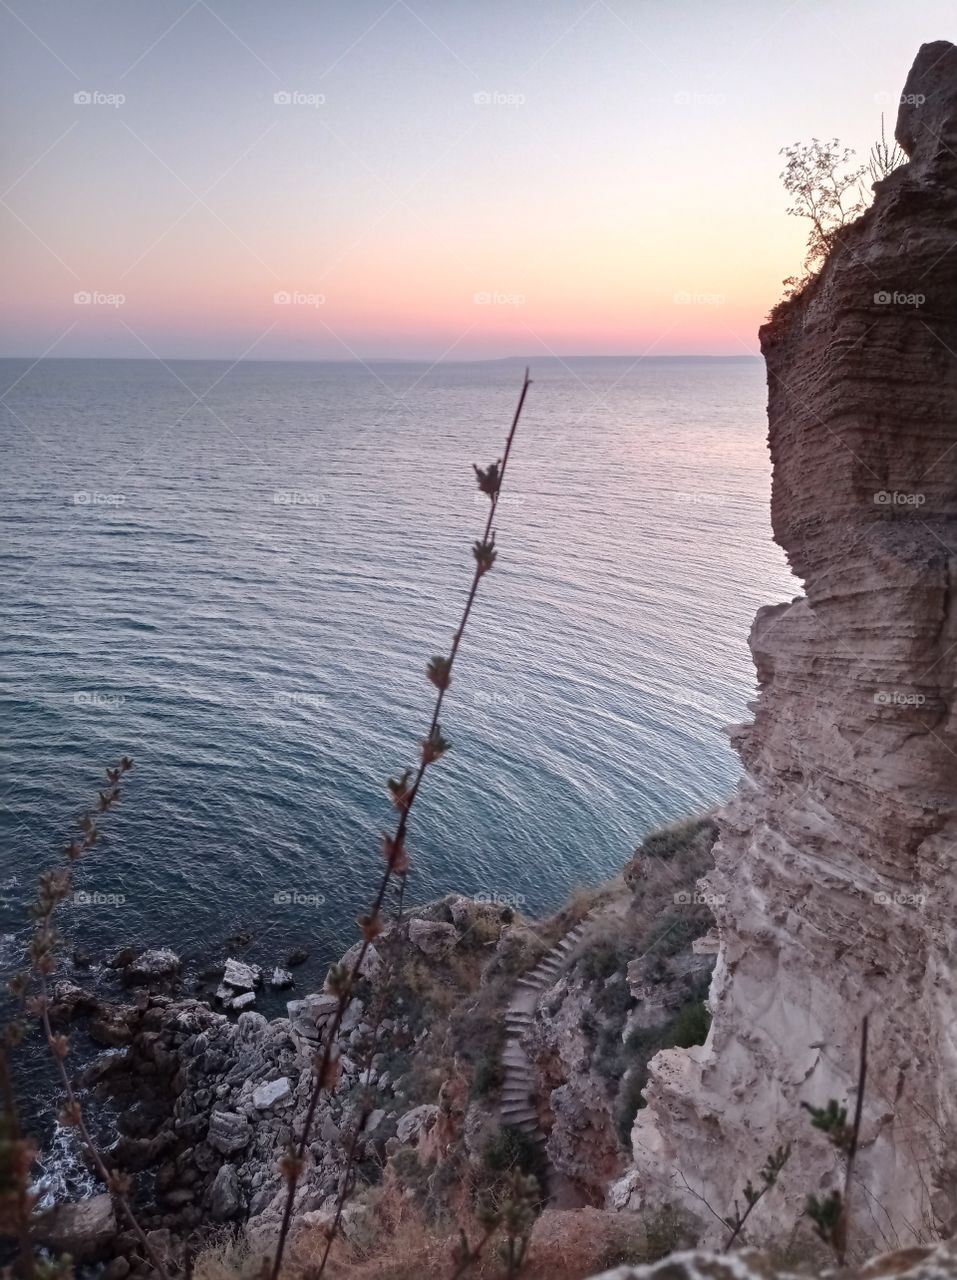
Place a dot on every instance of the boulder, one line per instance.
(229, 1132)
(224, 1197)
(85, 1230)
(69, 1001)
(416, 1122)
(242, 977)
(245, 1001)
(432, 937)
(152, 966)
(272, 1093)
(111, 1026)
(372, 966)
(281, 979)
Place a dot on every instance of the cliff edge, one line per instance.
(835, 862)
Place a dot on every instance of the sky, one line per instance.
(420, 179)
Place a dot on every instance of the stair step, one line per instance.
(520, 1116)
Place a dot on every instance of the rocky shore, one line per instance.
(210, 1093)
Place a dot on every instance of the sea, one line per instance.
(236, 574)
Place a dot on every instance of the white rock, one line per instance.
(272, 1093)
(416, 1122)
(244, 977)
(245, 1001)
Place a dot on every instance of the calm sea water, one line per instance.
(236, 574)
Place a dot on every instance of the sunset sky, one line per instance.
(449, 179)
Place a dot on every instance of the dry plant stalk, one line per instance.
(404, 791)
(53, 887)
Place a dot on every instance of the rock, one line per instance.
(317, 1008)
(224, 1198)
(251, 1028)
(69, 1001)
(432, 937)
(242, 977)
(152, 966)
(329, 1130)
(298, 955)
(111, 1025)
(281, 979)
(118, 1269)
(85, 1229)
(372, 967)
(834, 889)
(416, 1122)
(245, 1001)
(929, 1262)
(125, 956)
(229, 1132)
(374, 1119)
(272, 1093)
(81, 959)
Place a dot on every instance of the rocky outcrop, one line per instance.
(834, 881)
(932, 1263)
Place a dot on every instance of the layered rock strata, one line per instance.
(834, 882)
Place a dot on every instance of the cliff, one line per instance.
(835, 863)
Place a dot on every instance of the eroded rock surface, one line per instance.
(835, 863)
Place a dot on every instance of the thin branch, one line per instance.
(396, 858)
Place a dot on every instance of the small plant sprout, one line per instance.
(767, 1178)
(831, 1213)
(33, 990)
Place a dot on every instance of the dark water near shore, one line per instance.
(236, 575)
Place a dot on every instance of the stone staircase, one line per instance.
(518, 1109)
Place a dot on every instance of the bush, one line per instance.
(681, 836)
(488, 1076)
(511, 1149)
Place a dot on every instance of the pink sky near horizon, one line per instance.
(622, 197)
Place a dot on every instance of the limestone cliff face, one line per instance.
(836, 859)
